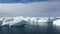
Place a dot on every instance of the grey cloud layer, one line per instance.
(31, 9)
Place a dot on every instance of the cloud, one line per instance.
(30, 9)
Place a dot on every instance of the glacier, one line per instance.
(20, 20)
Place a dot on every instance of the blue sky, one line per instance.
(29, 8)
(20, 1)
(23, 1)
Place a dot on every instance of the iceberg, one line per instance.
(20, 20)
(13, 21)
(56, 22)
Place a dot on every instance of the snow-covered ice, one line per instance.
(56, 22)
(14, 21)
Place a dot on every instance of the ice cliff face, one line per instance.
(18, 21)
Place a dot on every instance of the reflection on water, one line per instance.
(31, 29)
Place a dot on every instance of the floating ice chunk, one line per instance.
(56, 22)
(14, 21)
(33, 20)
(42, 21)
(6, 21)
